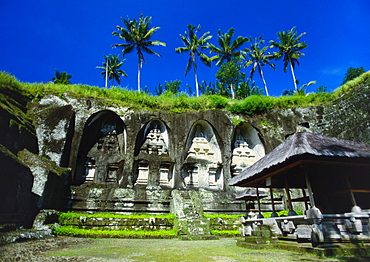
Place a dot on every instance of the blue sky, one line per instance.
(73, 36)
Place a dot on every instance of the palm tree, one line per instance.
(289, 49)
(228, 49)
(111, 69)
(137, 35)
(194, 46)
(61, 78)
(258, 57)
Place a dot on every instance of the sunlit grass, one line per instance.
(179, 103)
(177, 250)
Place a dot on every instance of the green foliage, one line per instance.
(281, 213)
(230, 75)
(72, 231)
(65, 218)
(352, 73)
(194, 45)
(225, 232)
(111, 69)
(61, 78)
(173, 86)
(252, 105)
(246, 89)
(213, 216)
(289, 49)
(363, 79)
(14, 97)
(137, 36)
(322, 89)
(217, 102)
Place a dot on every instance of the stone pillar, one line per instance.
(143, 174)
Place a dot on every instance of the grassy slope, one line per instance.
(176, 103)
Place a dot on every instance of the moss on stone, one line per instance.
(31, 159)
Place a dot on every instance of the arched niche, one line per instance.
(247, 148)
(203, 158)
(153, 166)
(102, 147)
(153, 136)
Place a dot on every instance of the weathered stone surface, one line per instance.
(152, 153)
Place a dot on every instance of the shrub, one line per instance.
(213, 216)
(255, 104)
(72, 231)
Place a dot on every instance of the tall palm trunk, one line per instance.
(106, 73)
(293, 75)
(139, 74)
(195, 74)
(196, 82)
(232, 91)
(263, 80)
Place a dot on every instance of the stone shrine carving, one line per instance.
(154, 143)
(104, 158)
(154, 171)
(243, 156)
(202, 167)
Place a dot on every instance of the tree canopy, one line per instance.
(195, 45)
(352, 73)
(137, 35)
(61, 78)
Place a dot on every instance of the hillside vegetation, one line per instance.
(174, 103)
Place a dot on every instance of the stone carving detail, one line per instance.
(201, 165)
(154, 165)
(154, 143)
(104, 158)
(243, 156)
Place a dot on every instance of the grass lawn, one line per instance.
(224, 250)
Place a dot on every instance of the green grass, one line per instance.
(175, 250)
(73, 231)
(168, 102)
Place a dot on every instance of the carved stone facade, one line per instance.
(148, 156)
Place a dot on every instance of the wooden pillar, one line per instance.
(351, 195)
(304, 197)
(309, 188)
(274, 214)
(290, 206)
(259, 204)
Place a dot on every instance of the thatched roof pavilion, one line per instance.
(335, 171)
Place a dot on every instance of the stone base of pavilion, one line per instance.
(321, 234)
(338, 249)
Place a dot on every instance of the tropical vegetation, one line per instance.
(111, 69)
(178, 103)
(195, 45)
(289, 49)
(137, 36)
(61, 78)
(257, 57)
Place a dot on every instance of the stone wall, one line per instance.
(136, 158)
(143, 155)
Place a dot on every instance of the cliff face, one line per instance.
(143, 155)
(18, 202)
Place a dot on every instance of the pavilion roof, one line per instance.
(303, 146)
